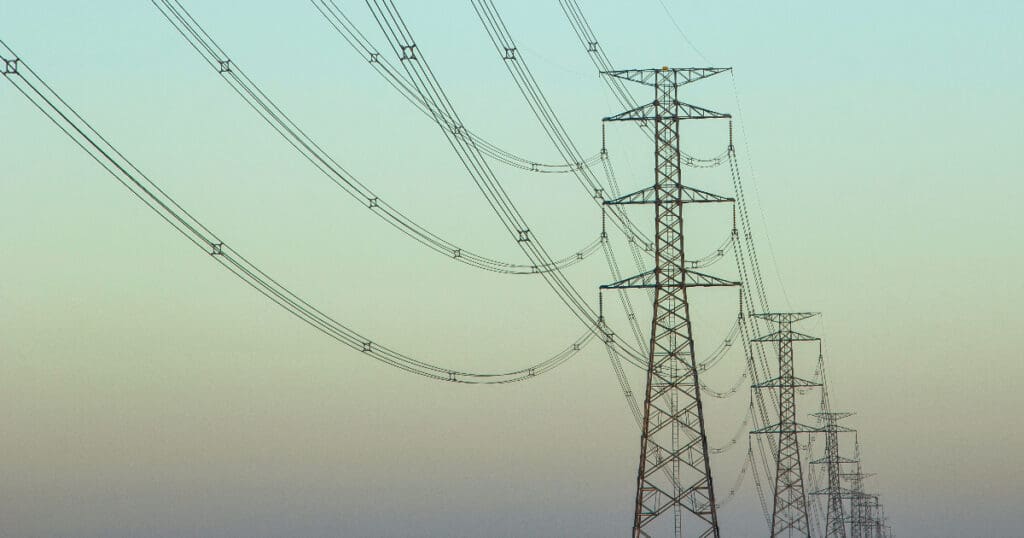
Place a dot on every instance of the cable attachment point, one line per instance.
(408, 52)
(510, 53)
(11, 66)
(451, 377)
(225, 66)
(373, 202)
(592, 46)
(576, 347)
(457, 253)
(375, 57)
(367, 347)
(599, 194)
(216, 249)
(524, 235)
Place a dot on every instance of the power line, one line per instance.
(275, 117)
(51, 104)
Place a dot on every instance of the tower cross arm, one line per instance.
(693, 279)
(785, 428)
(687, 195)
(683, 111)
(785, 317)
(836, 460)
(833, 415)
(682, 75)
(845, 492)
(786, 382)
(786, 336)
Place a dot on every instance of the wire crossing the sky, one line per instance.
(274, 116)
(44, 98)
(408, 88)
(426, 84)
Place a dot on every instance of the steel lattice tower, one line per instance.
(870, 523)
(789, 515)
(834, 519)
(674, 475)
(858, 498)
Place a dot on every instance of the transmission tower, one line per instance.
(867, 519)
(834, 520)
(674, 475)
(859, 517)
(789, 515)
(870, 523)
(875, 511)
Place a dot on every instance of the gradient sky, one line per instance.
(145, 392)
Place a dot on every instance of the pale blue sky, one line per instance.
(147, 393)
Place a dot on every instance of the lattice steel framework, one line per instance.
(860, 517)
(789, 514)
(674, 475)
(868, 521)
(834, 518)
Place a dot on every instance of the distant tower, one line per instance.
(789, 515)
(674, 476)
(871, 523)
(859, 517)
(834, 520)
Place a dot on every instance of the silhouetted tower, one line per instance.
(871, 523)
(858, 518)
(834, 519)
(789, 514)
(674, 476)
(876, 518)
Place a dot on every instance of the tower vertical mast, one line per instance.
(789, 513)
(674, 475)
(834, 520)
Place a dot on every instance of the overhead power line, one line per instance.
(44, 98)
(430, 90)
(291, 132)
